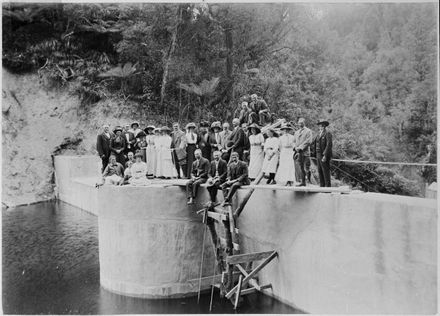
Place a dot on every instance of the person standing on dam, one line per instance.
(303, 138)
(217, 175)
(200, 170)
(178, 145)
(103, 145)
(321, 149)
(236, 177)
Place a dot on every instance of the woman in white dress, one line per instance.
(138, 172)
(151, 151)
(271, 154)
(256, 141)
(165, 167)
(286, 168)
(158, 152)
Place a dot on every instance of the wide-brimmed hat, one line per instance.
(117, 128)
(149, 127)
(204, 124)
(323, 122)
(254, 125)
(165, 129)
(138, 154)
(141, 134)
(134, 123)
(190, 125)
(286, 126)
(216, 124)
(157, 129)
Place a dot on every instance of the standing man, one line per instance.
(178, 145)
(217, 175)
(191, 144)
(203, 142)
(302, 139)
(200, 170)
(322, 150)
(224, 135)
(130, 140)
(103, 145)
(214, 138)
(236, 139)
(237, 176)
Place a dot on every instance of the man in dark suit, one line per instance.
(130, 140)
(203, 140)
(321, 149)
(103, 145)
(178, 145)
(217, 175)
(200, 171)
(236, 139)
(236, 177)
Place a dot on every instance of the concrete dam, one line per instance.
(337, 253)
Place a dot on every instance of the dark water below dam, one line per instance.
(51, 266)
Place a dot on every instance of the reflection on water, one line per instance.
(51, 266)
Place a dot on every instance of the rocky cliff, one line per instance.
(38, 121)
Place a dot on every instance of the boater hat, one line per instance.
(216, 124)
(254, 125)
(134, 123)
(117, 128)
(323, 122)
(286, 126)
(190, 125)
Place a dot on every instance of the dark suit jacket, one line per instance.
(201, 168)
(238, 139)
(238, 172)
(325, 143)
(103, 145)
(212, 142)
(222, 170)
(131, 140)
(204, 146)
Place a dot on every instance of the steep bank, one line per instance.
(39, 121)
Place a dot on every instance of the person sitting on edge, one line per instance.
(138, 172)
(237, 176)
(261, 109)
(217, 175)
(127, 172)
(130, 159)
(200, 170)
(113, 173)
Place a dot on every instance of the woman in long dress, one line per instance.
(256, 141)
(271, 155)
(151, 151)
(165, 164)
(158, 152)
(286, 168)
(118, 145)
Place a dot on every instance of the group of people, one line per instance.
(213, 153)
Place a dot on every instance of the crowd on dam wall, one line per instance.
(215, 153)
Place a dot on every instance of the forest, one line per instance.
(370, 69)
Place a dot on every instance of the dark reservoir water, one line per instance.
(51, 266)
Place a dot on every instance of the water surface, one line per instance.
(51, 266)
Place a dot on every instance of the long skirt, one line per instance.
(270, 165)
(256, 161)
(164, 165)
(286, 169)
(151, 161)
(190, 149)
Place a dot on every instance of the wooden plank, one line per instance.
(237, 295)
(309, 189)
(254, 256)
(216, 216)
(248, 291)
(248, 195)
(253, 273)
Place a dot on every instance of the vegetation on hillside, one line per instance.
(369, 68)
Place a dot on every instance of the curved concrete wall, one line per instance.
(150, 242)
(350, 253)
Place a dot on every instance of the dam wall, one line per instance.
(338, 253)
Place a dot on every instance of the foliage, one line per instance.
(369, 68)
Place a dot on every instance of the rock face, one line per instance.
(40, 121)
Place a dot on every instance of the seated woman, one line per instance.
(138, 172)
(127, 171)
(113, 173)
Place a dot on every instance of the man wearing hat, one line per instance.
(214, 138)
(118, 145)
(130, 139)
(178, 145)
(260, 108)
(303, 138)
(191, 145)
(135, 128)
(321, 149)
(237, 176)
(199, 175)
(203, 142)
(103, 145)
